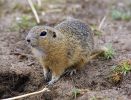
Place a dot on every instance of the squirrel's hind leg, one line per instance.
(72, 70)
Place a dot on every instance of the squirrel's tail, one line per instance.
(98, 51)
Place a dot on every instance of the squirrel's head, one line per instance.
(41, 36)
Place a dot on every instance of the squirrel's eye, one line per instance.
(43, 33)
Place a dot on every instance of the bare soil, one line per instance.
(21, 73)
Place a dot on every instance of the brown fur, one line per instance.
(69, 44)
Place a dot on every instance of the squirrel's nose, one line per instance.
(28, 40)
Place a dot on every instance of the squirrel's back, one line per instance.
(77, 33)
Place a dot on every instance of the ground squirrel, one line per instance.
(67, 46)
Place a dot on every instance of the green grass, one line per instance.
(94, 97)
(120, 71)
(109, 54)
(16, 6)
(126, 16)
(121, 15)
(95, 29)
(116, 15)
(24, 22)
(75, 92)
(26, 9)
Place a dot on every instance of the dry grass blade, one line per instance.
(34, 11)
(39, 2)
(102, 22)
(29, 94)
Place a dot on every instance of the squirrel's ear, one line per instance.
(54, 34)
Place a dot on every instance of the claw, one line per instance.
(70, 72)
(47, 77)
(73, 71)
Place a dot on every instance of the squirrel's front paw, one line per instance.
(52, 81)
(47, 77)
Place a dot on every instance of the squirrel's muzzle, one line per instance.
(31, 42)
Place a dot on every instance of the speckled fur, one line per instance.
(69, 44)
